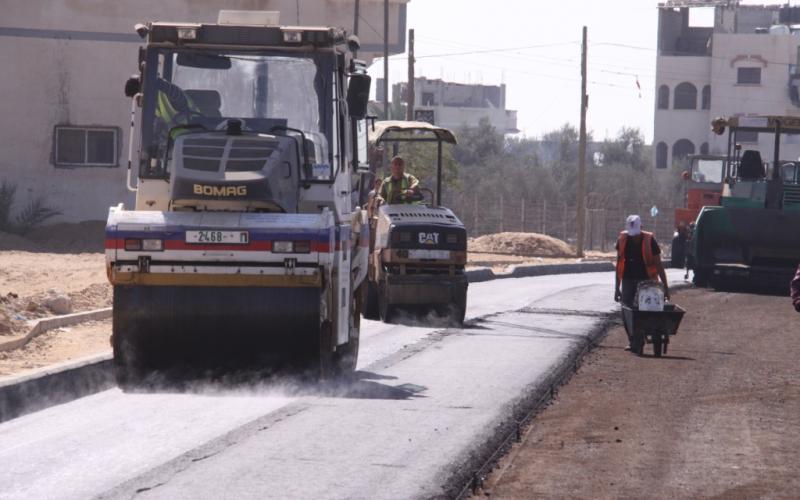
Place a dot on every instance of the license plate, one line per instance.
(212, 237)
(429, 254)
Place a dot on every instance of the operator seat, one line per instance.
(751, 168)
(207, 101)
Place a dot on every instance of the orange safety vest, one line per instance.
(647, 253)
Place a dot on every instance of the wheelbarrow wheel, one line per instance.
(657, 346)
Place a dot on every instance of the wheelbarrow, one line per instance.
(651, 327)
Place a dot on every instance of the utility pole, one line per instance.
(410, 96)
(356, 14)
(385, 59)
(581, 213)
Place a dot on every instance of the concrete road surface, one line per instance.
(424, 403)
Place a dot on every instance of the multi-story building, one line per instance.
(745, 63)
(457, 105)
(64, 119)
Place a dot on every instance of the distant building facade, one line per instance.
(745, 64)
(64, 120)
(456, 105)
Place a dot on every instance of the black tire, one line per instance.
(637, 345)
(346, 356)
(657, 346)
(371, 307)
(459, 311)
(129, 357)
(700, 278)
(387, 309)
(678, 260)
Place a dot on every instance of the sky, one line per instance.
(533, 46)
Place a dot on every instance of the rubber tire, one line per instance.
(346, 356)
(387, 309)
(371, 306)
(459, 312)
(657, 346)
(678, 259)
(637, 345)
(129, 370)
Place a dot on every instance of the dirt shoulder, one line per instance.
(716, 418)
(30, 280)
(58, 346)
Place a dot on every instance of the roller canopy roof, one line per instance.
(788, 124)
(409, 131)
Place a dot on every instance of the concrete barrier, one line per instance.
(525, 271)
(43, 325)
(54, 385)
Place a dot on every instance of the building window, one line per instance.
(427, 99)
(86, 146)
(661, 155)
(748, 76)
(663, 97)
(706, 99)
(704, 148)
(681, 149)
(746, 136)
(685, 96)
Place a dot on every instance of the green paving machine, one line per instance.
(752, 239)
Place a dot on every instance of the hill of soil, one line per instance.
(525, 244)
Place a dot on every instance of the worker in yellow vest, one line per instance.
(399, 187)
(638, 259)
(173, 107)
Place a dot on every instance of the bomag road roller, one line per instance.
(245, 245)
(752, 240)
(418, 248)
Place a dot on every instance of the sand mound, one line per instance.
(527, 244)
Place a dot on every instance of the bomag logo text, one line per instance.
(221, 191)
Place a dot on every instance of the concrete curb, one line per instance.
(525, 271)
(46, 324)
(53, 385)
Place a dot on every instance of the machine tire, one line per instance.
(678, 259)
(346, 355)
(459, 312)
(657, 346)
(387, 309)
(129, 357)
(371, 308)
(326, 358)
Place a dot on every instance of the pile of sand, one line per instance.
(65, 237)
(526, 244)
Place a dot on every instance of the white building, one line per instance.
(64, 119)
(743, 64)
(457, 105)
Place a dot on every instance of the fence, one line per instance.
(483, 215)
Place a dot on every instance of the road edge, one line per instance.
(482, 274)
(54, 385)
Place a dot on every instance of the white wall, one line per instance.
(729, 52)
(66, 61)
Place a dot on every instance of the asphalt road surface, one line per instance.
(423, 403)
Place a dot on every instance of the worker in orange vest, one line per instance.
(638, 259)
